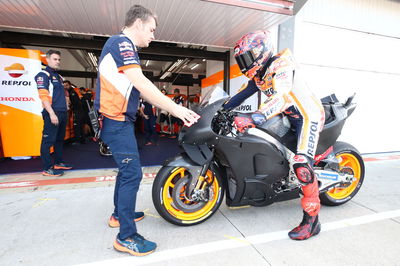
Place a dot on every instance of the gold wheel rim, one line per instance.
(204, 212)
(350, 161)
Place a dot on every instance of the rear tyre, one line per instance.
(170, 201)
(350, 161)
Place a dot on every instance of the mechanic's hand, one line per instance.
(54, 119)
(187, 116)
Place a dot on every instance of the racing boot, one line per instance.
(310, 226)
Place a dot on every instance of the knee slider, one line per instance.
(303, 170)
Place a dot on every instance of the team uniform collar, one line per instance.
(134, 45)
(50, 69)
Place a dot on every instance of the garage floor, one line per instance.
(64, 222)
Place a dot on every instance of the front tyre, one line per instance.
(170, 201)
(351, 162)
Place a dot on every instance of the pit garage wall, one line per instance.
(349, 46)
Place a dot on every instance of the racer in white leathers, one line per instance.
(278, 78)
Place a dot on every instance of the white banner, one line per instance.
(17, 85)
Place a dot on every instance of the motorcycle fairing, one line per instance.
(335, 116)
(204, 133)
(200, 154)
(253, 174)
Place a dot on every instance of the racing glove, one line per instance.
(242, 123)
(258, 118)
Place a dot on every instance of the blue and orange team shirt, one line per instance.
(116, 98)
(51, 89)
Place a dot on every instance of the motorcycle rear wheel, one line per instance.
(170, 202)
(350, 160)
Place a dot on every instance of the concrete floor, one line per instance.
(67, 225)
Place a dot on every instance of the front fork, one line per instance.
(197, 185)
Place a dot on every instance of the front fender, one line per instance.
(183, 160)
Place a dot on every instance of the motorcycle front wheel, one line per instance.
(171, 203)
(350, 162)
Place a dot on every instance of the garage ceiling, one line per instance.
(217, 23)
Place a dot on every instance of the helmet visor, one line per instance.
(245, 61)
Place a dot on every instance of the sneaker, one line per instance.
(136, 245)
(114, 222)
(52, 172)
(309, 226)
(63, 166)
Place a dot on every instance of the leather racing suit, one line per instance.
(288, 94)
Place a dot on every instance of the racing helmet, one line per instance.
(252, 51)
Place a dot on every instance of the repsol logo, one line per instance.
(246, 107)
(17, 99)
(312, 139)
(16, 82)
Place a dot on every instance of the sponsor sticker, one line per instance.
(123, 46)
(328, 176)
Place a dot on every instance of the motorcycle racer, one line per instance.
(279, 79)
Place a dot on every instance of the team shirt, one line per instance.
(116, 98)
(179, 100)
(148, 108)
(51, 89)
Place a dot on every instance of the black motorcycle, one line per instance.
(252, 167)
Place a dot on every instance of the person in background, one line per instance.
(193, 102)
(77, 111)
(148, 112)
(120, 84)
(164, 118)
(52, 94)
(87, 103)
(179, 100)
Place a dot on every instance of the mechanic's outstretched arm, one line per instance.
(150, 93)
(240, 97)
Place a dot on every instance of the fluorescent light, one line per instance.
(203, 60)
(276, 6)
(172, 66)
(93, 59)
(175, 65)
(147, 62)
(193, 67)
(165, 75)
(263, 2)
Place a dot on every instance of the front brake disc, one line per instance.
(179, 199)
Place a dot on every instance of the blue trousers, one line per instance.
(120, 137)
(150, 133)
(53, 135)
